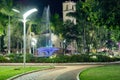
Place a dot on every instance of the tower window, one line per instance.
(73, 7)
(66, 7)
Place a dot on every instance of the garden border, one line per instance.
(19, 75)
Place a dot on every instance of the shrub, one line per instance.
(18, 58)
(93, 58)
(30, 58)
(15, 57)
(3, 59)
(102, 58)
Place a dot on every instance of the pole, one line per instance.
(9, 36)
(25, 15)
(24, 42)
(30, 42)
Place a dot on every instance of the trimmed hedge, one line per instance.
(18, 58)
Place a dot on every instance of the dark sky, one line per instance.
(55, 5)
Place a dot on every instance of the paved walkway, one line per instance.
(59, 73)
(63, 71)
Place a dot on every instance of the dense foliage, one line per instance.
(97, 27)
(11, 25)
(97, 24)
(18, 58)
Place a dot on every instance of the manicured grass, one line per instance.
(10, 71)
(109, 72)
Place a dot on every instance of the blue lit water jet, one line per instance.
(48, 49)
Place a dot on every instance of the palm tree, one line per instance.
(2, 32)
(1, 29)
(7, 5)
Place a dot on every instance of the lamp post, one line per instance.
(25, 15)
(24, 20)
(9, 39)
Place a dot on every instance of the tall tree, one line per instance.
(87, 15)
(6, 9)
(2, 31)
(57, 24)
(105, 14)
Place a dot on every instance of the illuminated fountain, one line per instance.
(46, 47)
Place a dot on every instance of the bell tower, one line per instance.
(69, 6)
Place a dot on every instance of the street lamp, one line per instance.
(24, 20)
(15, 10)
(25, 15)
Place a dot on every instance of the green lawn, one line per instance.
(9, 71)
(109, 72)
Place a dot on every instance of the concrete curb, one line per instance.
(56, 64)
(77, 77)
(19, 75)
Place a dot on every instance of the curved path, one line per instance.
(58, 73)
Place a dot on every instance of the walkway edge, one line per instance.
(77, 77)
(19, 75)
(57, 64)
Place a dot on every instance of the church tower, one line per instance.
(69, 6)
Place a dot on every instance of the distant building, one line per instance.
(69, 6)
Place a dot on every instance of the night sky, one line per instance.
(55, 5)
